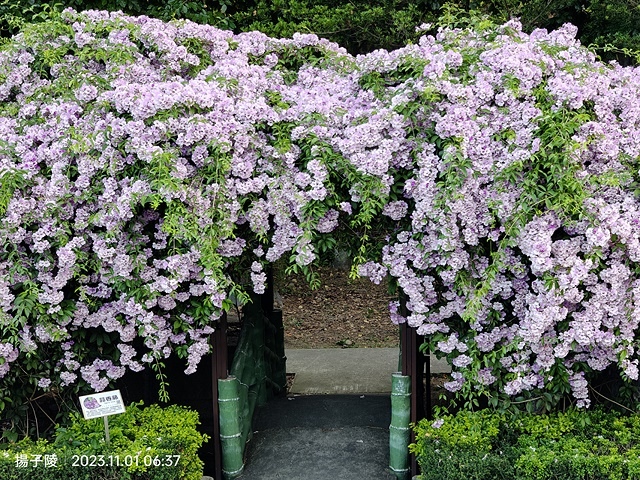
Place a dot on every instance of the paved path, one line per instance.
(325, 436)
(321, 437)
(346, 370)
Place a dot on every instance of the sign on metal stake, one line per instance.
(102, 404)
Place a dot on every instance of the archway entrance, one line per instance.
(268, 380)
(340, 377)
(338, 338)
(342, 349)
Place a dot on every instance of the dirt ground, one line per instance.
(342, 313)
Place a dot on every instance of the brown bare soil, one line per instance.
(341, 313)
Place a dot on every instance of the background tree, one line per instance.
(362, 26)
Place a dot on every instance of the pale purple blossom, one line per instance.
(372, 270)
(462, 361)
(396, 318)
(44, 383)
(328, 222)
(438, 423)
(456, 384)
(395, 210)
(223, 185)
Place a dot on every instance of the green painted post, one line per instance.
(230, 428)
(399, 432)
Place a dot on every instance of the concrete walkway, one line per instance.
(346, 370)
(321, 437)
(335, 423)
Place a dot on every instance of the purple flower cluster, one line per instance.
(541, 288)
(183, 158)
(8, 353)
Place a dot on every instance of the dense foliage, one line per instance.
(141, 161)
(519, 251)
(574, 445)
(151, 170)
(362, 26)
(613, 25)
(15, 13)
(150, 443)
(359, 26)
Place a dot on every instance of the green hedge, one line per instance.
(151, 443)
(575, 445)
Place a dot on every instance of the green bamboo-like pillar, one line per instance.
(230, 428)
(399, 432)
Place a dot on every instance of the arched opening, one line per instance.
(341, 350)
(342, 317)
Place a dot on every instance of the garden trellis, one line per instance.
(150, 170)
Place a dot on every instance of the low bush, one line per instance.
(592, 445)
(151, 443)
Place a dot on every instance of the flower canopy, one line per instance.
(151, 170)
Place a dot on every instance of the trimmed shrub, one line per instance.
(574, 445)
(151, 443)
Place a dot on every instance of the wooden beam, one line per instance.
(266, 299)
(409, 368)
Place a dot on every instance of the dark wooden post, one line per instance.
(413, 365)
(267, 297)
(427, 393)
(411, 368)
(274, 339)
(219, 369)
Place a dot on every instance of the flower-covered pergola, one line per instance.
(150, 171)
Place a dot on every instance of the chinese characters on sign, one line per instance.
(33, 460)
(102, 404)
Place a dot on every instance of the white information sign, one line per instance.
(102, 404)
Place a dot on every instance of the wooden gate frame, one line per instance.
(219, 370)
